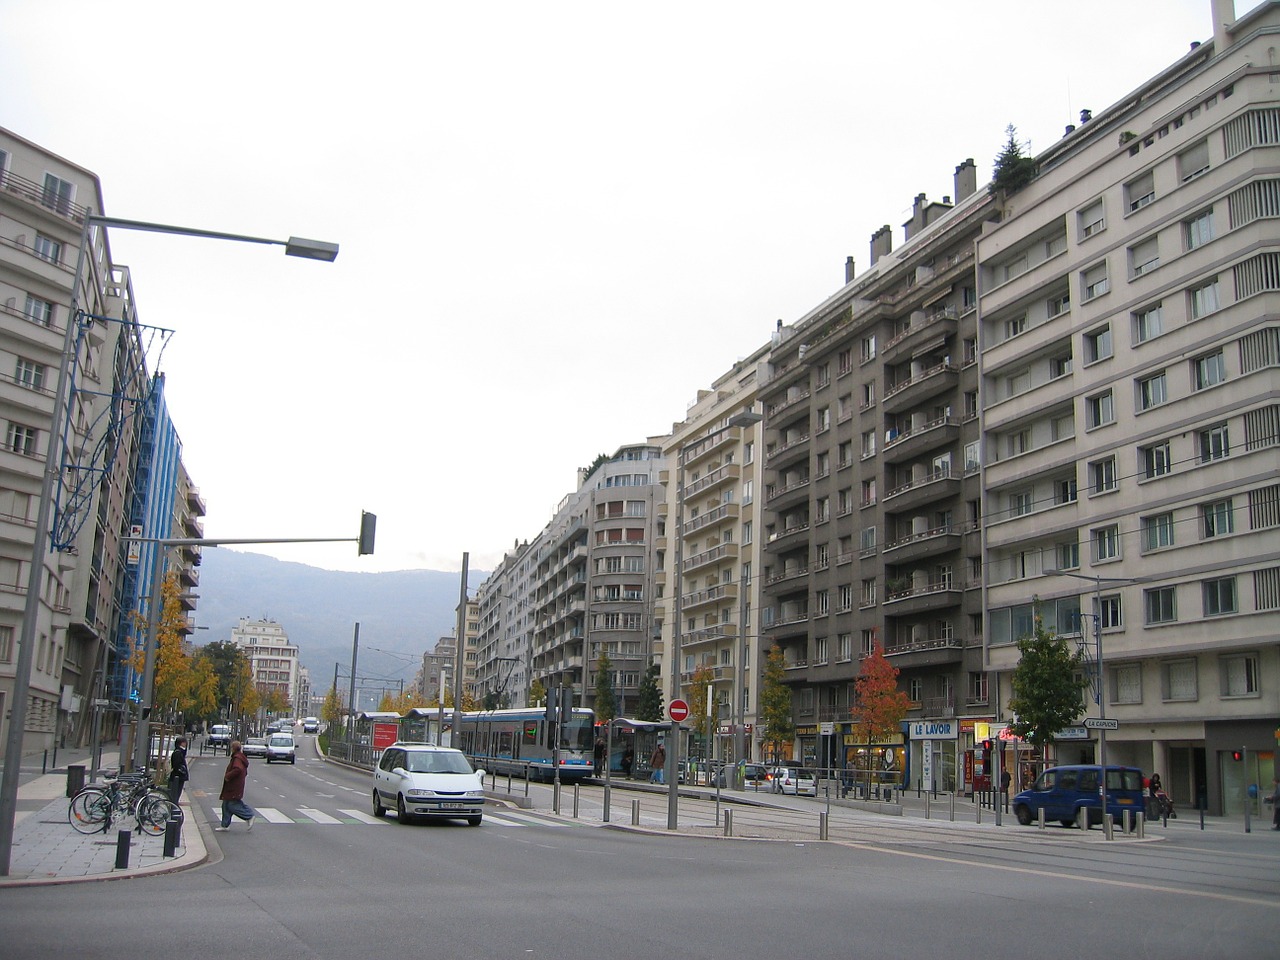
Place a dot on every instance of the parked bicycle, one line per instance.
(95, 808)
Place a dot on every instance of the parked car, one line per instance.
(794, 780)
(753, 776)
(280, 747)
(255, 747)
(311, 725)
(419, 780)
(1062, 792)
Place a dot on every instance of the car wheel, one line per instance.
(1067, 823)
(402, 815)
(293, 760)
(473, 821)
(378, 809)
(1023, 814)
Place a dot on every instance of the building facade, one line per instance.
(273, 660)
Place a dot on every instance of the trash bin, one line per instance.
(75, 779)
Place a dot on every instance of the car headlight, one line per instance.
(420, 793)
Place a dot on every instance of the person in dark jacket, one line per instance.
(178, 773)
(232, 795)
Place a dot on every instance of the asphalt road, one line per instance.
(524, 885)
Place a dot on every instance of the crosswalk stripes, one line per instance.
(347, 816)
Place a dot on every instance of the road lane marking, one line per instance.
(272, 815)
(363, 817)
(317, 816)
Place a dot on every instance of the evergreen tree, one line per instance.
(1013, 168)
(649, 705)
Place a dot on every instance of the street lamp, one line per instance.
(1099, 679)
(743, 418)
(294, 246)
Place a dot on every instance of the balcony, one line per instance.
(787, 574)
(729, 473)
(714, 555)
(712, 595)
(709, 445)
(934, 486)
(939, 324)
(788, 538)
(940, 378)
(721, 514)
(925, 543)
(774, 410)
(900, 447)
(719, 631)
(789, 623)
(925, 653)
(782, 497)
(913, 600)
(36, 195)
(790, 451)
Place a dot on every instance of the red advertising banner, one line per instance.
(384, 735)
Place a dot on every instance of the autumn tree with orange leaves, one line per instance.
(880, 706)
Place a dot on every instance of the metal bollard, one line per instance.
(822, 826)
(1108, 826)
(123, 839)
(927, 814)
(1142, 825)
(1040, 818)
(728, 823)
(978, 810)
(172, 831)
(952, 803)
(1125, 823)
(635, 813)
(575, 801)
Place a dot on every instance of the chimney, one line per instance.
(881, 243)
(917, 221)
(966, 180)
(848, 269)
(1086, 116)
(1071, 128)
(1224, 18)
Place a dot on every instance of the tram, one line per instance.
(511, 741)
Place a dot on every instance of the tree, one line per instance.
(1013, 168)
(880, 706)
(1048, 684)
(649, 696)
(331, 710)
(537, 693)
(204, 689)
(173, 673)
(606, 698)
(703, 677)
(777, 728)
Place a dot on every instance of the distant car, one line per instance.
(255, 747)
(796, 781)
(419, 780)
(754, 776)
(219, 735)
(280, 747)
(311, 725)
(1063, 792)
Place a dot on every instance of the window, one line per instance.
(58, 193)
(1094, 281)
(1067, 554)
(1219, 596)
(1214, 442)
(972, 457)
(6, 644)
(21, 439)
(1198, 230)
(1157, 531)
(1064, 491)
(1204, 299)
(1102, 475)
(1155, 460)
(1017, 383)
(869, 443)
(1239, 675)
(47, 248)
(844, 647)
(1145, 256)
(1092, 219)
(1059, 305)
(29, 373)
(1152, 391)
(1141, 191)
(748, 532)
(869, 592)
(1178, 680)
(1193, 161)
(868, 394)
(1217, 519)
(1097, 344)
(868, 348)
(1126, 683)
(915, 689)
(1106, 543)
(1100, 409)
(1148, 323)
(977, 686)
(970, 404)
(1160, 604)
(1110, 611)
(39, 311)
(1018, 442)
(1020, 503)
(1210, 370)
(868, 492)
(1014, 326)
(868, 642)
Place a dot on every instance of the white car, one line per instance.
(419, 780)
(311, 725)
(280, 747)
(255, 747)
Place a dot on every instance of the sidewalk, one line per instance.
(47, 849)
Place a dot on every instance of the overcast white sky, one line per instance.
(533, 201)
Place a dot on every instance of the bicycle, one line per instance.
(96, 807)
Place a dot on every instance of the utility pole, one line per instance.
(351, 702)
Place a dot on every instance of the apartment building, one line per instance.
(1129, 313)
(707, 556)
(871, 495)
(273, 660)
(505, 631)
(593, 577)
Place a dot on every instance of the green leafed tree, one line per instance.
(537, 693)
(649, 696)
(1048, 686)
(606, 699)
(777, 724)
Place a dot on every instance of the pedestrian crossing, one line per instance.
(344, 816)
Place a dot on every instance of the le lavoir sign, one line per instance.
(935, 730)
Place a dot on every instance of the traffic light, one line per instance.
(368, 523)
(986, 745)
(1237, 754)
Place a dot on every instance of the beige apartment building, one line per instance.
(273, 660)
(1129, 313)
(707, 556)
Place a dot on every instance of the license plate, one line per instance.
(453, 806)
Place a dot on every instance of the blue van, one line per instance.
(1063, 791)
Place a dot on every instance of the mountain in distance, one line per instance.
(401, 613)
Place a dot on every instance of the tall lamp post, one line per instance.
(1099, 674)
(744, 418)
(295, 247)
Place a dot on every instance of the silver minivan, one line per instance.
(420, 780)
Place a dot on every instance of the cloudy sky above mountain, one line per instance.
(558, 221)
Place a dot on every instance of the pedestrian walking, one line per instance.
(1275, 804)
(232, 795)
(178, 773)
(628, 761)
(657, 761)
(597, 756)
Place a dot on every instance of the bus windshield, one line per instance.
(577, 734)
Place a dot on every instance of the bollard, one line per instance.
(888, 795)
(728, 823)
(75, 779)
(978, 810)
(952, 804)
(635, 813)
(927, 814)
(575, 801)
(1125, 824)
(171, 832)
(822, 826)
(1108, 826)
(1142, 825)
(123, 839)
(1040, 817)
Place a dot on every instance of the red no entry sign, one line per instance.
(678, 710)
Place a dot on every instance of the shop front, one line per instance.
(882, 762)
(933, 754)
